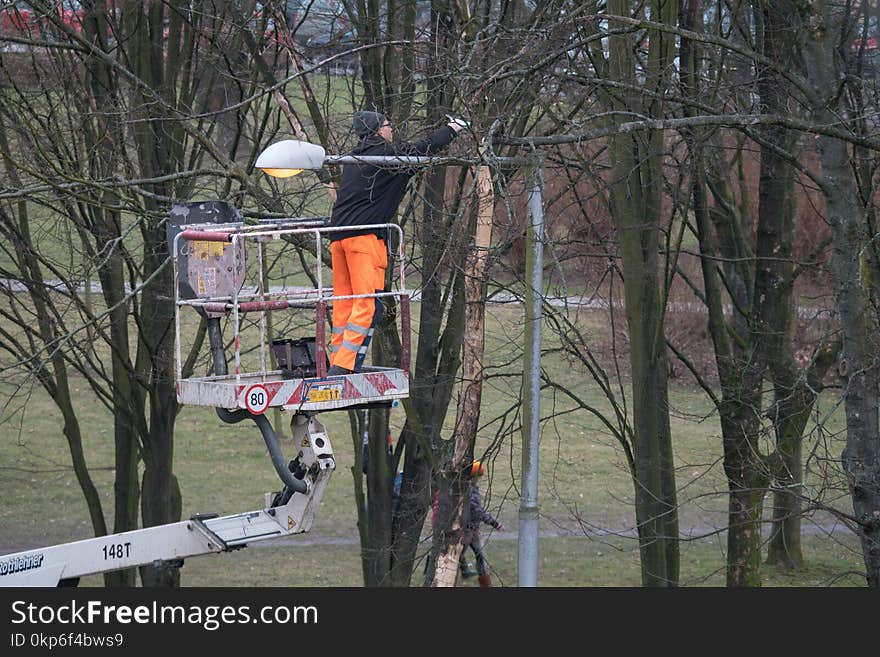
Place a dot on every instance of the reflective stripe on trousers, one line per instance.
(358, 265)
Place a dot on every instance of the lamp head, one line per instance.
(290, 157)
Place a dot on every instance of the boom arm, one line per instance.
(289, 513)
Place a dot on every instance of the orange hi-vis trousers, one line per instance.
(359, 265)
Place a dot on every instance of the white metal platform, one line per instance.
(373, 384)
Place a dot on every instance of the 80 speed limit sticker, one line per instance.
(256, 399)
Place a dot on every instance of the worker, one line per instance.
(396, 486)
(478, 516)
(368, 195)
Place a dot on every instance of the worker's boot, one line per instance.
(485, 580)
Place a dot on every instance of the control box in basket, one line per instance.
(297, 359)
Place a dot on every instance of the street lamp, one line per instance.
(290, 157)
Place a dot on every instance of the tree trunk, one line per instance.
(413, 505)
(858, 369)
(160, 492)
(437, 360)
(784, 548)
(791, 414)
(453, 494)
(102, 84)
(635, 209)
(774, 284)
(160, 148)
(747, 482)
(449, 545)
(861, 456)
(739, 375)
(763, 318)
(376, 554)
(125, 488)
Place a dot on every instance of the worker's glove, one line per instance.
(499, 527)
(457, 123)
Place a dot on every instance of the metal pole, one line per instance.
(528, 509)
(418, 160)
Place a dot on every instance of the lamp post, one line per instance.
(527, 570)
(291, 157)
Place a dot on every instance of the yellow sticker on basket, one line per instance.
(324, 394)
(205, 250)
(324, 391)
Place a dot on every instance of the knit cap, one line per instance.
(367, 123)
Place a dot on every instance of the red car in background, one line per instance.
(19, 20)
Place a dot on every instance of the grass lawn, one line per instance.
(585, 491)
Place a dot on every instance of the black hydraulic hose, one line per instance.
(218, 357)
(298, 485)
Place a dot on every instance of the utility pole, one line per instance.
(527, 571)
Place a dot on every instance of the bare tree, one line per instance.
(123, 139)
(825, 27)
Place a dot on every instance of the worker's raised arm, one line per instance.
(436, 142)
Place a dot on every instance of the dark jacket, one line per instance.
(369, 194)
(478, 515)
